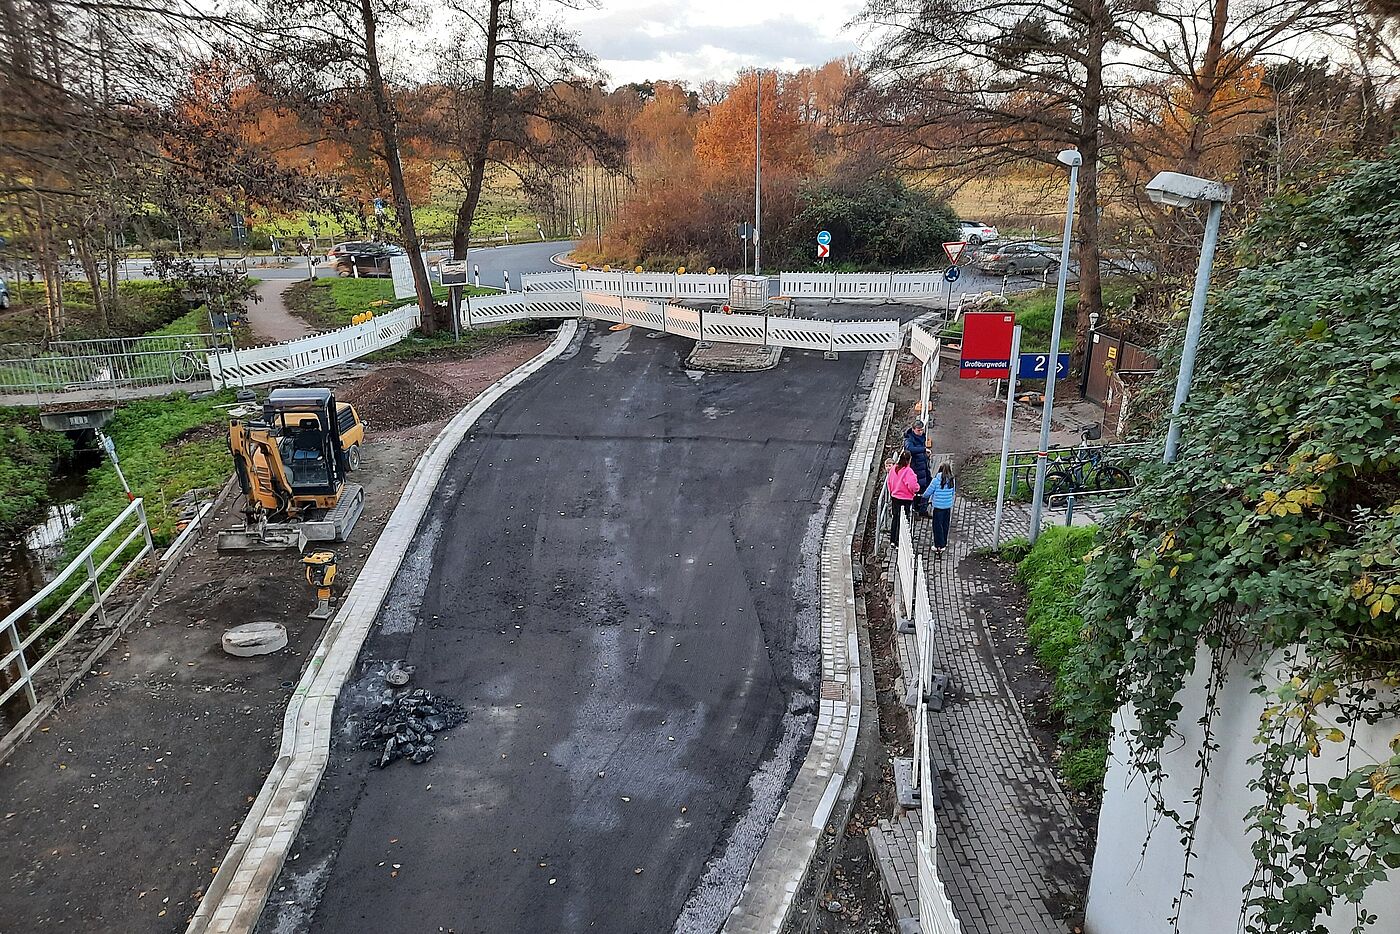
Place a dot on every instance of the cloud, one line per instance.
(642, 39)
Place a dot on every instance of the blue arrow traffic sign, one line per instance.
(951, 274)
(824, 238)
(1036, 366)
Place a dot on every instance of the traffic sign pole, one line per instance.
(1006, 439)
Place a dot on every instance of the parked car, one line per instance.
(4, 295)
(363, 256)
(978, 233)
(1015, 259)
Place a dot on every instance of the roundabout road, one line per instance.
(618, 579)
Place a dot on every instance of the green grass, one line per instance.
(1035, 313)
(472, 341)
(167, 448)
(332, 303)
(1052, 572)
(28, 457)
(982, 481)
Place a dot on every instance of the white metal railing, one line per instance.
(67, 366)
(87, 570)
(273, 362)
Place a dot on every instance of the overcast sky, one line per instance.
(695, 41)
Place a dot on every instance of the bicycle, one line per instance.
(186, 364)
(1087, 469)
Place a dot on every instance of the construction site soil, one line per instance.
(120, 807)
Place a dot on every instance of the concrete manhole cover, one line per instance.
(250, 639)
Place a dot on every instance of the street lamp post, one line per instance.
(1072, 159)
(1176, 190)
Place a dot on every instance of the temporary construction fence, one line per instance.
(936, 914)
(835, 286)
(273, 362)
(83, 590)
(694, 323)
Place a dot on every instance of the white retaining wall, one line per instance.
(1132, 888)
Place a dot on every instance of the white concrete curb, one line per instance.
(792, 840)
(241, 887)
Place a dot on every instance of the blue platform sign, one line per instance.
(1036, 366)
(824, 238)
(951, 274)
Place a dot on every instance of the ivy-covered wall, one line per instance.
(1133, 889)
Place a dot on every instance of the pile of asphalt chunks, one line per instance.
(406, 727)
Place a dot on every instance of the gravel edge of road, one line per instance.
(243, 883)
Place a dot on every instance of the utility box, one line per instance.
(748, 293)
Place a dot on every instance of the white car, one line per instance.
(977, 233)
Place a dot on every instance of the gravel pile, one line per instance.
(406, 727)
(402, 397)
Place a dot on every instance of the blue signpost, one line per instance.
(1036, 366)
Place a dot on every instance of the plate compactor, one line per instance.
(292, 465)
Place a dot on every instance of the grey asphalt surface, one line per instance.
(618, 579)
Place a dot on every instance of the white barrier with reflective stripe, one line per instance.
(549, 282)
(268, 364)
(807, 284)
(702, 285)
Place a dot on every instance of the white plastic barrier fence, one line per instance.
(935, 910)
(273, 362)
(904, 567)
(548, 282)
(766, 330)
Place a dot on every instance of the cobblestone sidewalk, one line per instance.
(1011, 848)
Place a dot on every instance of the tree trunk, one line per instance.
(1090, 284)
(389, 134)
(1205, 85)
(94, 278)
(466, 211)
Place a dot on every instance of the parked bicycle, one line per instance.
(1086, 468)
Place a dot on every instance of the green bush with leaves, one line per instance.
(1052, 572)
(1277, 534)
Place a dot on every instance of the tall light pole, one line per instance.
(1072, 159)
(1179, 191)
(757, 166)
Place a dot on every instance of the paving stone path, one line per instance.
(1012, 852)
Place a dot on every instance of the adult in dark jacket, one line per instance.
(916, 443)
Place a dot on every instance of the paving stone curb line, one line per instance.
(787, 852)
(239, 890)
(167, 565)
(869, 755)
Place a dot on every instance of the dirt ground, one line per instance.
(119, 809)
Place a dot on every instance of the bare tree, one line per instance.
(327, 62)
(517, 94)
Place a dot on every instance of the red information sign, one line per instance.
(986, 346)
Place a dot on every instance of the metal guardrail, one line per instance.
(64, 366)
(88, 572)
(1076, 498)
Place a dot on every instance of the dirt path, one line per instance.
(269, 318)
(119, 809)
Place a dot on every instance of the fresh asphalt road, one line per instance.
(618, 578)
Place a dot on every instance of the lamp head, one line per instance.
(1070, 158)
(1178, 191)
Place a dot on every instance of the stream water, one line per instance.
(31, 561)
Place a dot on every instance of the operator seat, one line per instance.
(308, 455)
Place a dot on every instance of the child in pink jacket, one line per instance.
(903, 485)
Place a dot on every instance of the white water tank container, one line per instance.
(748, 293)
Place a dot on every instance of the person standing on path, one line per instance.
(916, 442)
(903, 485)
(941, 492)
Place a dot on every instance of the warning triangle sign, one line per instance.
(954, 250)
